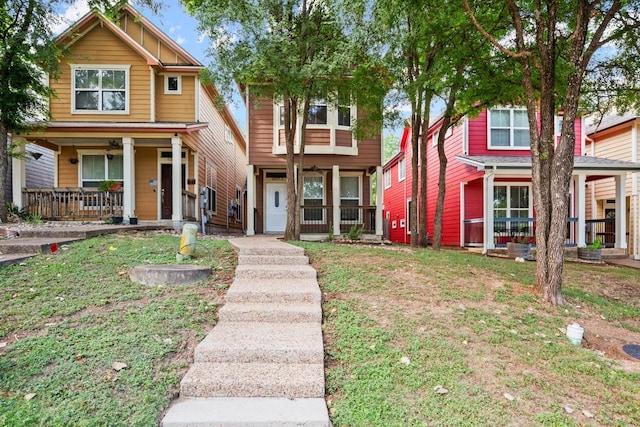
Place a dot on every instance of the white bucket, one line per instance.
(574, 333)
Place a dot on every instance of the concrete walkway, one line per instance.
(263, 363)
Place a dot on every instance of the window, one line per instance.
(238, 204)
(349, 196)
(401, 170)
(510, 201)
(344, 110)
(387, 178)
(100, 167)
(228, 136)
(172, 85)
(210, 199)
(317, 112)
(509, 128)
(313, 196)
(100, 89)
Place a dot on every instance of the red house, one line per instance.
(489, 197)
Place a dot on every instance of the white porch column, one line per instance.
(129, 187)
(488, 212)
(176, 176)
(251, 201)
(335, 183)
(18, 177)
(581, 205)
(379, 200)
(621, 211)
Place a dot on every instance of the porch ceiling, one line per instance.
(580, 163)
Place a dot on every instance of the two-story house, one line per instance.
(337, 172)
(131, 110)
(489, 198)
(615, 137)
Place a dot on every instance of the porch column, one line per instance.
(18, 178)
(621, 211)
(488, 212)
(129, 187)
(176, 173)
(335, 185)
(581, 205)
(251, 201)
(379, 200)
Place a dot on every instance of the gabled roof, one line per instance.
(94, 18)
(583, 163)
(609, 122)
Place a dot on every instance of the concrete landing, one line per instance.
(234, 412)
(172, 274)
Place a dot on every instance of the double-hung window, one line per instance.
(100, 167)
(103, 89)
(317, 112)
(508, 128)
(344, 110)
(511, 201)
(402, 170)
(349, 196)
(313, 188)
(387, 178)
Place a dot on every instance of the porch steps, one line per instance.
(263, 363)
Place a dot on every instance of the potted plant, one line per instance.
(519, 247)
(109, 185)
(592, 252)
(133, 219)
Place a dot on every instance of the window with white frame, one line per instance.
(510, 201)
(317, 112)
(447, 134)
(172, 85)
(228, 135)
(508, 128)
(99, 167)
(401, 170)
(344, 110)
(387, 178)
(211, 178)
(313, 190)
(100, 89)
(349, 196)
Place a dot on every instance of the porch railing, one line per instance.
(319, 219)
(511, 230)
(603, 229)
(72, 203)
(189, 205)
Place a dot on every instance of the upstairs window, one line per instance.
(172, 85)
(101, 89)
(344, 110)
(317, 112)
(387, 178)
(401, 170)
(508, 128)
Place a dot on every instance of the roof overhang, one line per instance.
(83, 127)
(580, 163)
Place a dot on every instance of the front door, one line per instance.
(166, 191)
(276, 207)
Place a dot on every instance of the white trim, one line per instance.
(357, 175)
(127, 89)
(379, 201)
(408, 216)
(510, 184)
(152, 90)
(402, 163)
(465, 136)
(251, 200)
(323, 175)
(196, 90)
(387, 178)
(97, 152)
(635, 202)
(488, 182)
(462, 208)
(167, 91)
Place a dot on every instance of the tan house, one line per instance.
(337, 173)
(131, 112)
(615, 137)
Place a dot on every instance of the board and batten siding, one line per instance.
(112, 51)
(150, 42)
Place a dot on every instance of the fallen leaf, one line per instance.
(405, 360)
(111, 248)
(509, 397)
(587, 413)
(568, 409)
(122, 273)
(29, 396)
(440, 390)
(118, 366)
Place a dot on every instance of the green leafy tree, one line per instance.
(559, 47)
(293, 51)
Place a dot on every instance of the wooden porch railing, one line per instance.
(319, 219)
(72, 203)
(189, 205)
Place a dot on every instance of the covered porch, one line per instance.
(506, 213)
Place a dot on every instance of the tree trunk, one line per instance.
(290, 119)
(416, 126)
(442, 185)
(422, 201)
(4, 170)
(300, 188)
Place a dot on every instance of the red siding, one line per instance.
(395, 205)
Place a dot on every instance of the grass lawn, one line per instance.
(66, 318)
(413, 337)
(420, 338)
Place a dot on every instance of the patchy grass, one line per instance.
(67, 317)
(401, 325)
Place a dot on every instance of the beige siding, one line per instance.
(112, 51)
(176, 108)
(67, 173)
(150, 42)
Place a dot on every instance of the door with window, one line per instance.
(276, 207)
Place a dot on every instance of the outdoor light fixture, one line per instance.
(73, 160)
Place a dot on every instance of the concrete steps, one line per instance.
(263, 363)
(32, 245)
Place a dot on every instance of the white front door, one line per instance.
(276, 207)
